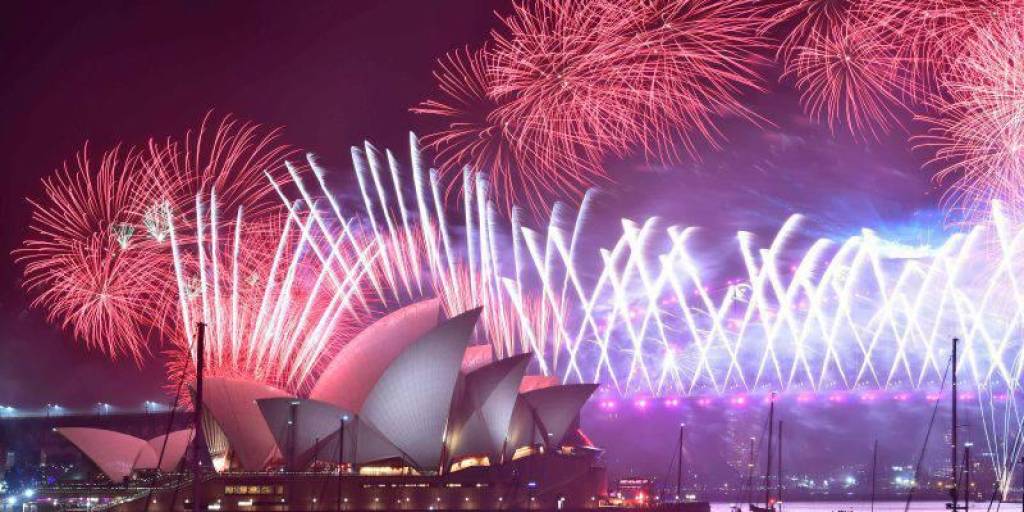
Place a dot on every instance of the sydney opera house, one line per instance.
(407, 416)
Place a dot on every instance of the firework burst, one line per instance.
(978, 127)
(477, 136)
(84, 261)
(565, 84)
(850, 75)
(97, 259)
(231, 156)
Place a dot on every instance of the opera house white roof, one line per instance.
(118, 455)
(408, 387)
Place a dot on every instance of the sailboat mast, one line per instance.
(874, 472)
(679, 469)
(197, 421)
(778, 478)
(967, 476)
(750, 473)
(954, 490)
(768, 465)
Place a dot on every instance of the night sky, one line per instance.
(333, 74)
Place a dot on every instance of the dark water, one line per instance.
(880, 506)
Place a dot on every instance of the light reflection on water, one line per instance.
(880, 506)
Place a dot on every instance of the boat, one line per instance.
(682, 501)
(770, 503)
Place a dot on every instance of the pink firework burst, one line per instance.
(977, 129)
(565, 77)
(804, 18)
(478, 136)
(84, 260)
(928, 35)
(567, 83)
(238, 159)
(97, 259)
(850, 75)
(692, 61)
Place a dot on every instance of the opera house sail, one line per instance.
(407, 415)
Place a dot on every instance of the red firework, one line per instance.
(97, 259)
(978, 132)
(809, 17)
(85, 261)
(233, 158)
(567, 83)
(617, 75)
(478, 136)
(263, 320)
(928, 36)
(850, 75)
(565, 78)
(692, 61)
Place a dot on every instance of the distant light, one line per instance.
(28, 493)
(11, 500)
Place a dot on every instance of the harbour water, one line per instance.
(880, 506)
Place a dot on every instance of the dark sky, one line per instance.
(335, 73)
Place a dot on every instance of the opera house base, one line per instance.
(537, 482)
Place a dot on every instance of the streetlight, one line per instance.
(341, 454)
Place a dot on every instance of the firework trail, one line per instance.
(846, 314)
(415, 253)
(280, 293)
(277, 299)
